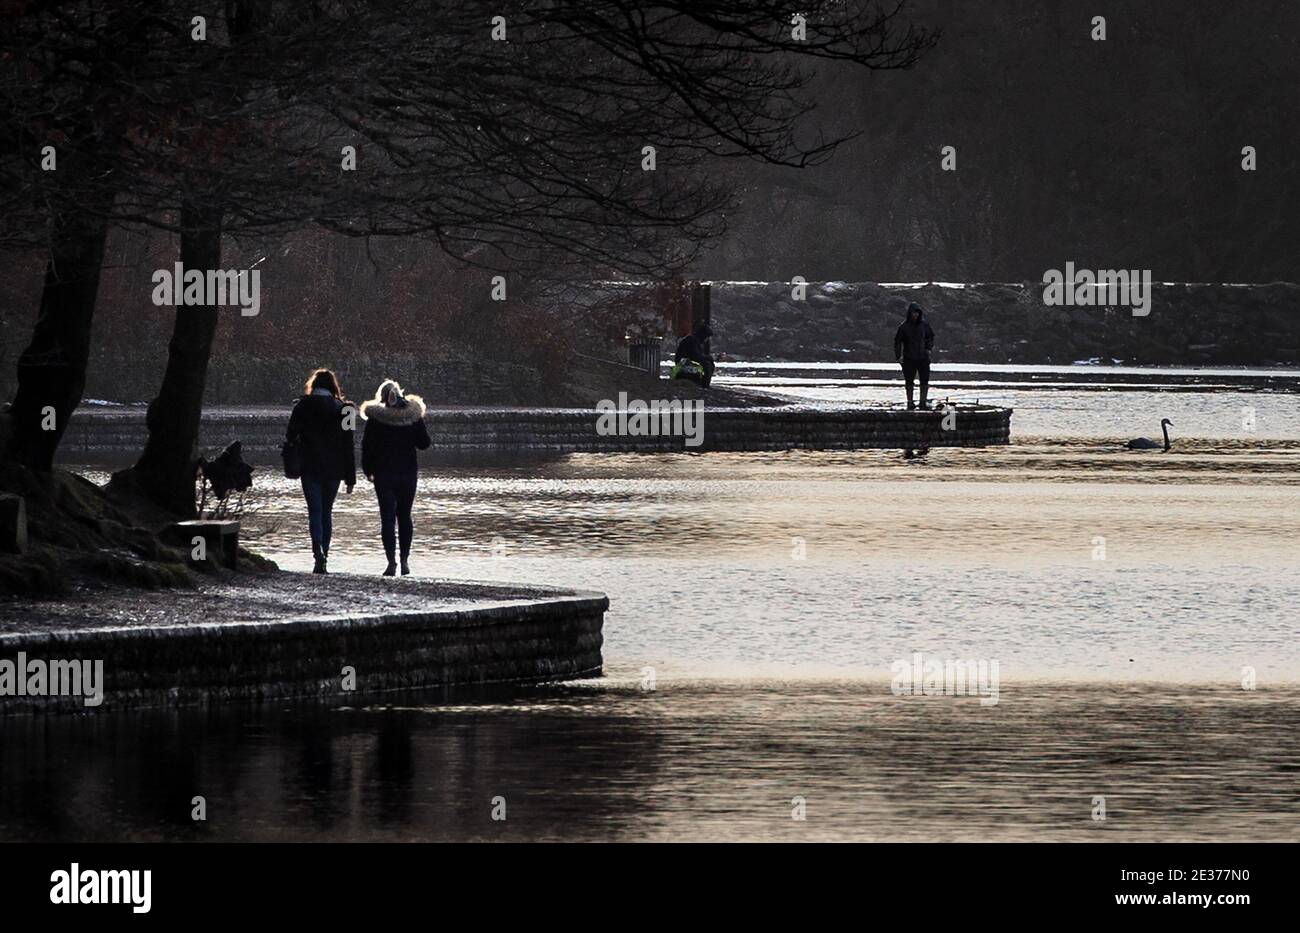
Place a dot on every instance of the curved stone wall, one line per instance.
(550, 638)
(103, 434)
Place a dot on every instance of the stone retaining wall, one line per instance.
(97, 434)
(524, 640)
(855, 322)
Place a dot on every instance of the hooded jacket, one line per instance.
(695, 346)
(328, 454)
(393, 434)
(914, 339)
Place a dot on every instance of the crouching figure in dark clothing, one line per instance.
(322, 426)
(912, 345)
(694, 357)
(395, 430)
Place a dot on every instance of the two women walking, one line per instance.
(322, 426)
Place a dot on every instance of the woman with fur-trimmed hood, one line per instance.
(394, 432)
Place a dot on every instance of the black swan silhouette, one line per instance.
(1145, 443)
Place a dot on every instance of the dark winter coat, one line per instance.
(914, 339)
(393, 435)
(692, 347)
(327, 450)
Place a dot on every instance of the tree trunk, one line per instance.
(165, 471)
(52, 370)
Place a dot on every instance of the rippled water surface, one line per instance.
(1063, 561)
(1064, 401)
(1124, 596)
(695, 760)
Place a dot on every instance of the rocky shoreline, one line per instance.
(1188, 324)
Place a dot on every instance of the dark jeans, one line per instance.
(913, 368)
(320, 495)
(396, 495)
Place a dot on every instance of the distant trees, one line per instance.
(534, 138)
(1125, 152)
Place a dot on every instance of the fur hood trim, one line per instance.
(394, 416)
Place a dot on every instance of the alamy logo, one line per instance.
(637, 418)
(1105, 287)
(950, 677)
(87, 886)
(234, 287)
(36, 678)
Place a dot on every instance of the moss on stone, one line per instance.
(76, 531)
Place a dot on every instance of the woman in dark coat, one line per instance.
(322, 423)
(394, 432)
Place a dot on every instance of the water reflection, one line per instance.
(690, 760)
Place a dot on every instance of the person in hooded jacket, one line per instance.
(395, 430)
(694, 356)
(321, 424)
(912, 344)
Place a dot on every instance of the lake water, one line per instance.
(760, 605)
(1065, 401)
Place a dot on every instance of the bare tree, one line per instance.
(572, 137)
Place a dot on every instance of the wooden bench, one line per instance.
(220, 539)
